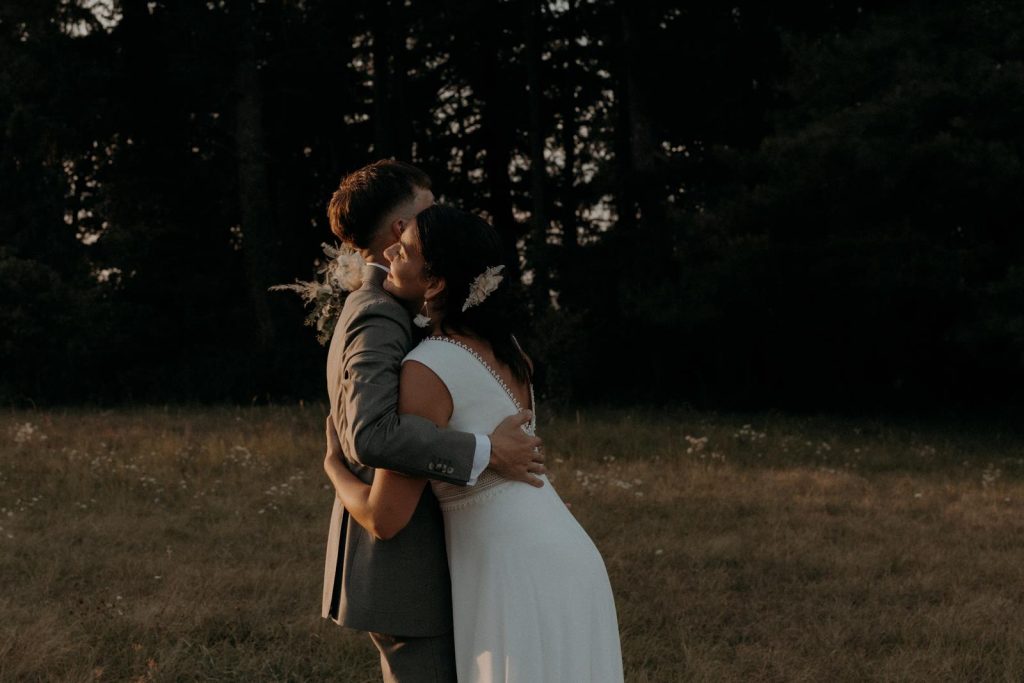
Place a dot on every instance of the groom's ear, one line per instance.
(396, 229)
(435, 288)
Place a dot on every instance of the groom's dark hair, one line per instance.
(366, 196)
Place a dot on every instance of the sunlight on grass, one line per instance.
(188, 544)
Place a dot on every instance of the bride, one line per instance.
(531, 599)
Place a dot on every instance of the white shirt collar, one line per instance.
(381, 266)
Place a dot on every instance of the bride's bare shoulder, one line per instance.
(421, 392)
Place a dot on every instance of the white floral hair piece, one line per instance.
(482, 286)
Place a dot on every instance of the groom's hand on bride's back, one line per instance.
(515, 454)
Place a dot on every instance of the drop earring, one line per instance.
(422, 320)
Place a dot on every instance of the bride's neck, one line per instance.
(439, 330)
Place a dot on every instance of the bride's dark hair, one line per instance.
(458, 247)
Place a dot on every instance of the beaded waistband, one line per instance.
(451, 496)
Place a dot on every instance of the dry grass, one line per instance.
(187, 545)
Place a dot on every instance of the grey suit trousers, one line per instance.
(416, 660)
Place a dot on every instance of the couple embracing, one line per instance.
(447, 543)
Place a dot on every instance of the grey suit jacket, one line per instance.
(399, 586)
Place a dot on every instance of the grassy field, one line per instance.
(187, 545)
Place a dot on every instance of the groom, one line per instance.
(398, 590)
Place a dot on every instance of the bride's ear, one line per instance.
(435, 288)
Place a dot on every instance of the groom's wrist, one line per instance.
(481, 458)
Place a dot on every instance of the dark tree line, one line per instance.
(734, 204)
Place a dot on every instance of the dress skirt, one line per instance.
(527, 580)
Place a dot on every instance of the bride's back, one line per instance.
(481, 399)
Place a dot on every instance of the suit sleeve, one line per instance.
(381, 438)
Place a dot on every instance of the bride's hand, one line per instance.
(333, 444)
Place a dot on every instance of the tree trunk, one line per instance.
(643, 149)
(399, 117)
(569, 202)
(253, 185)
(625, 201)
(636, 148)
(538, 246)
(497, 135)
(380, 22)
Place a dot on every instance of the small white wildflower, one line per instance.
(27, 433)
(990, 475)
(747, 433)
(697, 443)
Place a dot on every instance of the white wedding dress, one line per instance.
(530, 594)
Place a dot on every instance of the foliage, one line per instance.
(727, 204)
(340, 273)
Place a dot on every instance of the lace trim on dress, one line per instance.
(452, 497)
